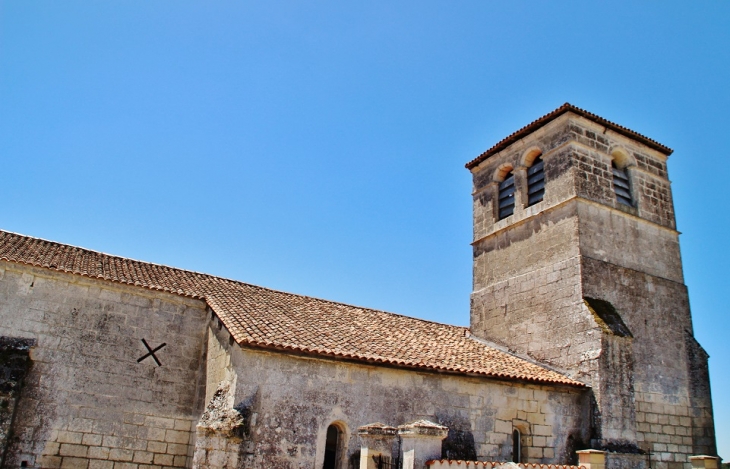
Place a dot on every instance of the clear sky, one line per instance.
(319, 147)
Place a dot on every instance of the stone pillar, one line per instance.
(520, 173)
(592, 458)
(219, 433)
(377, 439)
(421, 442)
(705, 462)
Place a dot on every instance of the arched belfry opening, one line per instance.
(506, 197)
(332, 447)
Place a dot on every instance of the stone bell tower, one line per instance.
(577, 265)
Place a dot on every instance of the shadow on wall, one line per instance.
(574, 443)
(14, 365)
(459, 444)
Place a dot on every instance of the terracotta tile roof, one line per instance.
(260, 317)
(567, 107)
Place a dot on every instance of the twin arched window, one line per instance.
(535, 188)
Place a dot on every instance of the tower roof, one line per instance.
(547, 118)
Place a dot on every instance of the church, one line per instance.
(580, 339)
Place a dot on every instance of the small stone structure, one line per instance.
(421, 442)
(413, 444)
(378, 440)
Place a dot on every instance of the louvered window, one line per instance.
(507, 196)
(535, 182)
(621, 186)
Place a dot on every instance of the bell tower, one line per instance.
(577, 265)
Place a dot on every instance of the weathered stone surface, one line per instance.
(540, 274)
(87, 397)
(292, 400)
(577, 281)
(14, 365)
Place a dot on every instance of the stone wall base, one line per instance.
(627, 461)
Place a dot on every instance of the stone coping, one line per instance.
(455, 463)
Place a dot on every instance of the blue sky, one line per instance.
(318, 147)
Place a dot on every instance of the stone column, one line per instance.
(705, 462)
(520, 173)
(377, 439)
(592, 458)
(421, 442)
(219, 432)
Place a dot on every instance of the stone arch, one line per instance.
(520, 434)
(502, 171)
(334, 446)
(622, 158)
(529, 156)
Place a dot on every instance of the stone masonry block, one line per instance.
(156, 434)
(177, 449)
(91, 439)
(119, 454)
(185, 425)
(500, 426)
(73, 450)
(69, 437)
(143, 457)
(74, 463)
(534, 453)
(163, 459)
(98, 452)
(125, 465)
(51, 448)
(50, 462)
(174, 436)
(157, 447)
(97, 464)
(159, 422)
(542, 430)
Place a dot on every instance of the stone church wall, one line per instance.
(289, 401)
(527, 291)
(86, 401)
(667, 407)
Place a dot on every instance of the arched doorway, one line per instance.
(331, 447)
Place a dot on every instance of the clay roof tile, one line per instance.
(265, 318)
(567, 107)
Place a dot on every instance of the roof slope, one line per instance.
(260, 317)
(567, 107)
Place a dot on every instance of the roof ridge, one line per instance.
(263, 317)
(554, 114)
(226, 279)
